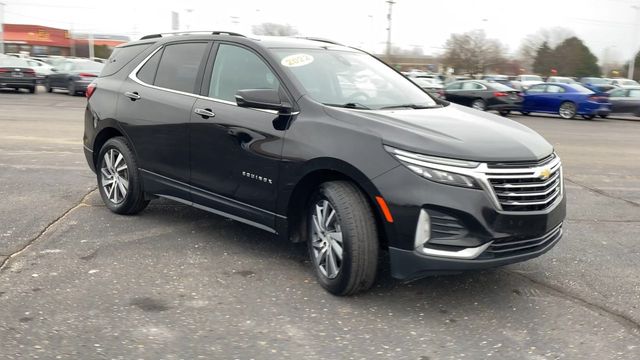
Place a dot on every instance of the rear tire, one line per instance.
(525, 113)
(567, 110)
(32, 90)
(479, 104)
(604, 116)
(47, 86)
(71, 89)
(588, 117)
(119, 180)
(342, 238)
(505, 112)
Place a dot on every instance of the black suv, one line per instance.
(325, 144)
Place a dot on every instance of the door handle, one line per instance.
(205, 113)
(132, 95)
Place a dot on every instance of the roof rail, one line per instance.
(159, 35)
(319, 39)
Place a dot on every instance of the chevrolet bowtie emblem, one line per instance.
(545, 173)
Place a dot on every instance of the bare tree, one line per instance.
(273, 29)
(473, 52)
(532, 42)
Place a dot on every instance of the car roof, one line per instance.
(269, 42)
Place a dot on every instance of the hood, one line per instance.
(452, 131)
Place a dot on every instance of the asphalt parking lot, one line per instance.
(174, 282)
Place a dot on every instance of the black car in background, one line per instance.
(73, 75)
(484, 95)
(321, 143)
(625, 101)
(16, 73)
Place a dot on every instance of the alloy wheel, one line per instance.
(567, 111)
(114, 176)
(326, 239)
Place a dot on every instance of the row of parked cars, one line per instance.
(565, 96)
(71, 74)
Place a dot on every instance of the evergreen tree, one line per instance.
(575, 59)
(544, 60)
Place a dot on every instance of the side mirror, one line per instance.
(267, 99)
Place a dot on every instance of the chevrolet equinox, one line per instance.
(321, 143)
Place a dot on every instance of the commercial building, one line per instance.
(39, 40)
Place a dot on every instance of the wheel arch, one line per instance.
(102, 137)
(294, 202)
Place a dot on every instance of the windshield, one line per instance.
(345, 78)
(501, 87)
(581, 89)
(88, 66)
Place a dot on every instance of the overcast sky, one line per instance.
(607, 26)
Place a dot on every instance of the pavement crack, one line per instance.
(619, 317)
(603, 193)
(52, 224)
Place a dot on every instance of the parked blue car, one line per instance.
(566, 100)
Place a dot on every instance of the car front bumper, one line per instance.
(472, 233)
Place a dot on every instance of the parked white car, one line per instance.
(524, 82)
(621, 82)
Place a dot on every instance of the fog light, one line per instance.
(423, 230)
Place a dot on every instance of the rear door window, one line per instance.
(179, 65)
(555, 89)
(472, 86)
(536, 89)
(634, 93)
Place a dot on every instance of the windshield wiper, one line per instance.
(351, 105)
(411, 106)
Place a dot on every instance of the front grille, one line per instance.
(524, 189)
(518, 245)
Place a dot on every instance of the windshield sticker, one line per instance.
(296, 60)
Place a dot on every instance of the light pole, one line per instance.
(2, 27)
(390, 2)
(634, 46)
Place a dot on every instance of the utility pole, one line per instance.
(390, 2)
(91, 50)
(634, 46)
(2, 27)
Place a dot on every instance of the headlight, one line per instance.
(441, 170)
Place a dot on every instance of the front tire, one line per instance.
(47, 86)
(119, 180)
(342, 239)
(567, 110)
(505, 112)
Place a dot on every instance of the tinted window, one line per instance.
(236, 68)
(179, 66)
(554, 89)
(147, 73)
(120, 57)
